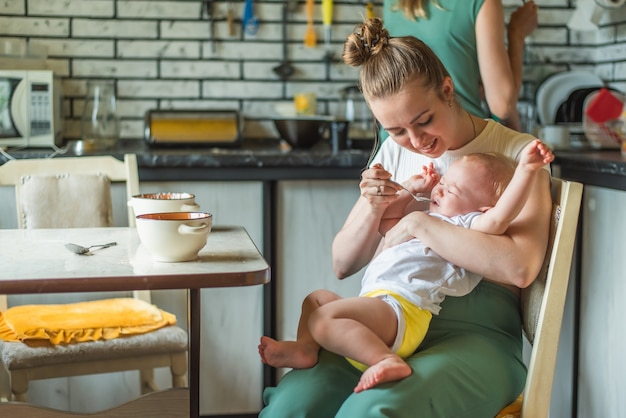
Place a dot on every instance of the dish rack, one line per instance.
(604, 120)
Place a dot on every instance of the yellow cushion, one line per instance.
(83, 321)
(513, 410)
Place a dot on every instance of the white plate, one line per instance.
(556, 89)
(600, 136)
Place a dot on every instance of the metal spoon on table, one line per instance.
(80, 250)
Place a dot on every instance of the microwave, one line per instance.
(30, 109)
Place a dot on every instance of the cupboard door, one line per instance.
(602, 338)
(231, 373)
(310, 213)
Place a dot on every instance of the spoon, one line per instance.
(79, 249)
(418, 198)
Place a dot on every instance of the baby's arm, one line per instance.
(497, 219)
(419, 183)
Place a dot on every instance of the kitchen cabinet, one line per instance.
(602, 338)
(231, 374)
(310, 213)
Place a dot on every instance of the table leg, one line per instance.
(194, 353)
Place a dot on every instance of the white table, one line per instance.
(36, 261)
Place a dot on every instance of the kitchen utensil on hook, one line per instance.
(285, 69)
(310, 37)
(208, 11)
(327, 19)
(250, 21)
(230, 16)
(80, 250)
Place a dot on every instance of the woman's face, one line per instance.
(417, 119)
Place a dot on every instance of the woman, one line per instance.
(470, 363)
(469, 38)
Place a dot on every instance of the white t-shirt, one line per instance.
(418, 274)
(402, 163)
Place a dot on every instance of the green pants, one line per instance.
(469, 365)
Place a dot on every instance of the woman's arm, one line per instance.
(501, 68)
(512, 258)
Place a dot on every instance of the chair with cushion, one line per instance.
(543, 303)
(76, 192)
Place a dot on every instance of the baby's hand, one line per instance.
(423, 182)
(535, 155)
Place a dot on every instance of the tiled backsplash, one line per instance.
(161, 54)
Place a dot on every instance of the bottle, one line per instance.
(100, 125)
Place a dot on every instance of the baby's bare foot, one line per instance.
(287, 353)
(387, 370)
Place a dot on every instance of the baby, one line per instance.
(405, 284)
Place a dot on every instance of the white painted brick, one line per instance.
(114, 68)
(612, 52)
(547, 36)
(158, 89)
(219, 104)
(554, 16)
(620, 71)
(102, 8)
(323, 90)
(621, 33)
(184, 29)
(76, 47)
(604, 71)
(159, 9)
(181, 71)
(15, 7)
(34, 26)
(61, 67)
(104, 28)
(241, 89)
(199, 69)
(135, 108)
(264, 70)
(246, 50)
(158, 49)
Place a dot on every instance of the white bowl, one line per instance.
(174, 236)
(163, 202)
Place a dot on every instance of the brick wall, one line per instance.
(161, 55)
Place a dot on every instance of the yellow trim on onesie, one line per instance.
(416, 319)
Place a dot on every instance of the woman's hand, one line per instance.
(377, 188)
(524, 21)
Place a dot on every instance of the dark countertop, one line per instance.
(254, 160)
(272, 160)
(603, 168)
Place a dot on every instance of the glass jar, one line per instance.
(100, 125)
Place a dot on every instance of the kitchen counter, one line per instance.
(273, 160)
(254, 160)
(604, 168)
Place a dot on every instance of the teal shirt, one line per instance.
(451, 34)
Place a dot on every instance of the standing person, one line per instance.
(469, 38)
(470, 363)
(404, 285)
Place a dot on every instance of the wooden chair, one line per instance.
(543, 303)
(165, 347)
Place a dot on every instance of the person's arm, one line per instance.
(419, 184)
(497, 219)
(514, 257)
(358, 240)
(501, 68)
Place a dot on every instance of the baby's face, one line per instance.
(465, 188)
